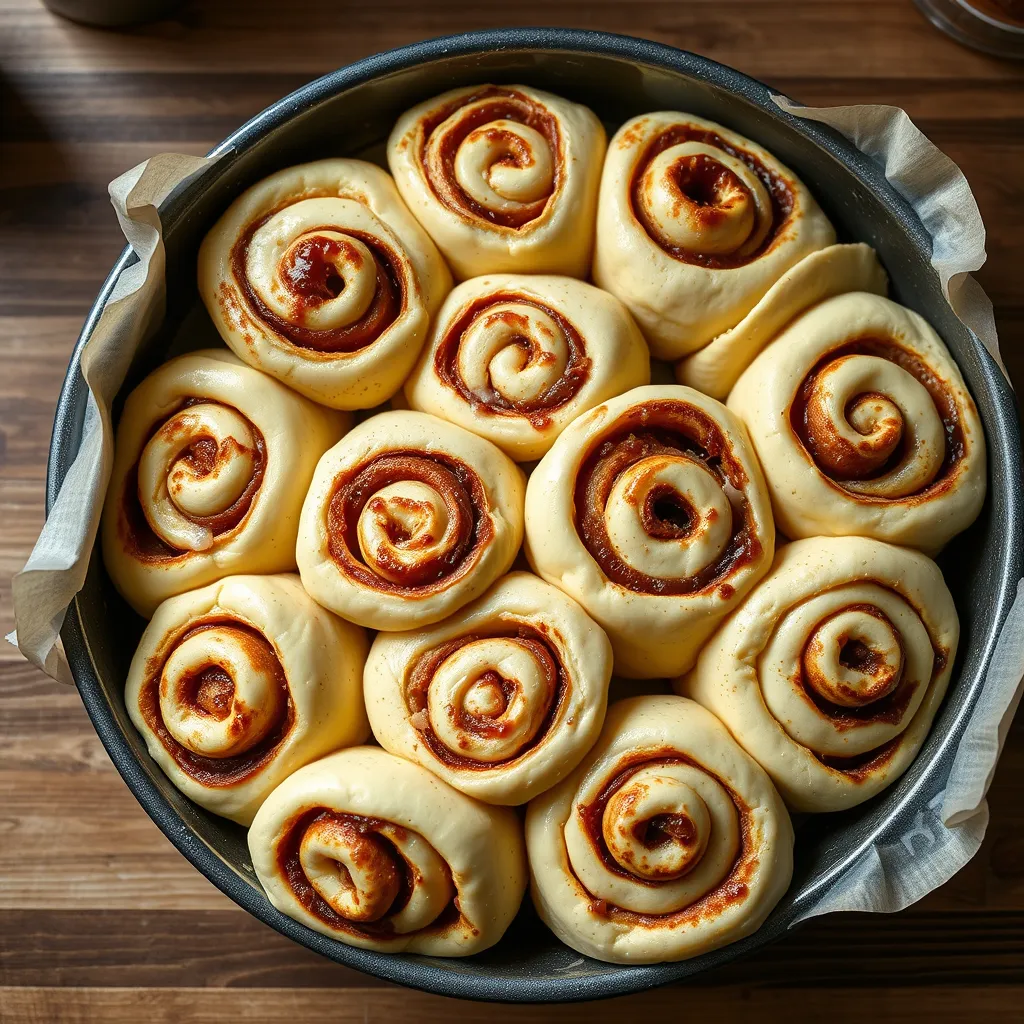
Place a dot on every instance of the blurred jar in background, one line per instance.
(995, 26)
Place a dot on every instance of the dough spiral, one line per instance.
(831, 672)
(668, 841)
(864, 426)
(651, 511)
(375, 851)
(320, 276)
(211, 461)
(694, 224)
(408, 518)
(237, 684)
(515, 358)
(501, 700)
(504, 178)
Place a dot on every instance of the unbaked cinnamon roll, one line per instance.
(408, 519)
(320, 276)
(211, 462)
(864, 426)
(831, 672)
(515, 358)
(237, 684)
(501, 700)
(668, 841)
(715, 368)
(652, 512)
(694, 224)
(504, 178)
(376, 852)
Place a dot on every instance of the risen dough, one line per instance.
(503, 177)
(237, 684)
(864, 426)
(651, 511)
(359, 827)
(515, 358)
(701, 843)
(320, 276)
(502, 699)
(408, 519)
(818, 276)
(694, 224)
(211, 462)
(832, 670)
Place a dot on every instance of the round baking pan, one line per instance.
(350, 113)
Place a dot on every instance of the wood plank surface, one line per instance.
(100, 918)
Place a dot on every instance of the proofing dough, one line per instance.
(320, 276)
(864, 426)
(378, 853)
(408, 519)
(651, 511)
(694, 224)
(515, 358)
(818, 276)
(502, 699)
(503, 177)
(236, 685)
(831, 672)
(668, 841)
(211, 462)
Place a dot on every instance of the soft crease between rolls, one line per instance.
(211, 462)
(375, 851)
(834, 270)
(864, 426)
(515, 358)
(407, 519)
(651, 511)
(831, 672)
(668, 841)
(237, 684)
(695, 223)
(320, 276)
(502, 699)
(503, 177)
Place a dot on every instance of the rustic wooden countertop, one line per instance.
(100, 918)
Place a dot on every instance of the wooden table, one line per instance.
(100, 918)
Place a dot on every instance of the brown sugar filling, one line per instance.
(822, 446)
(212, 691)
(500, 104)
(537, 410)
(422, 672)
(465, 499)
(701, 181)
(663, 427)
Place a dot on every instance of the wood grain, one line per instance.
(100, 918)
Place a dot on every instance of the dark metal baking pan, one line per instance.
(350, 112)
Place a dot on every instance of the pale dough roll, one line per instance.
(320, 276)
(504, 178)
(501, 700)
(864, 426)
(376, 852)
(237, 684)
(408, 519)
(831, 672)
(211, 462)
(715, 368)
(667, 842)
(694, 224)
(651, 511)
(515, 358)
